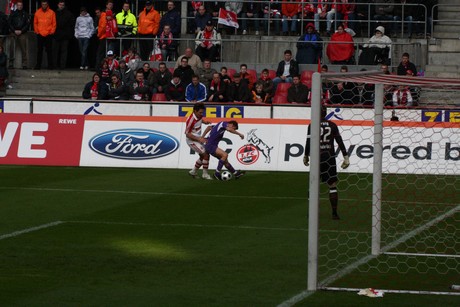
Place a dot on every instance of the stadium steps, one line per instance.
(442, 71)
(444, 47)
(439, 97)
(48, 83)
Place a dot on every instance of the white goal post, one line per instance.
(403, 225)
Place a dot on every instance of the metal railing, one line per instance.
(277, 47)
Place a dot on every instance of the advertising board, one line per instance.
(40, 139)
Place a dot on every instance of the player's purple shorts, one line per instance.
(211, 148)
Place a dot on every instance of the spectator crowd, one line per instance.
(156, 30)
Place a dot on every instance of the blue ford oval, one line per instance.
(134, 144)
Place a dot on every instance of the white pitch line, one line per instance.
(301, 296)
(211, 226)
(296, 298)
(31, 229)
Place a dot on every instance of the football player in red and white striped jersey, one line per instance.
(195, 141)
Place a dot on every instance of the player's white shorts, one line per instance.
(196, 146)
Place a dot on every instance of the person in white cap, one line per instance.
(377, 49)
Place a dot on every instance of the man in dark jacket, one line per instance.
(286, 69)
(238, 91)
(117, 89)
(217, 89)
(4, 29)
(298, 92)
(175, 90)
(162, 77)
(19, 22)
(139, 89)
(65, 25)
(172, 18)
(185, 71)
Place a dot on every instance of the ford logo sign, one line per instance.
(134, 144)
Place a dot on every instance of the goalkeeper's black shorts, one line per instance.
(328, 169)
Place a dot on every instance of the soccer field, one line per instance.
(156, 237)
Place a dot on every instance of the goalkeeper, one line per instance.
(328, 166)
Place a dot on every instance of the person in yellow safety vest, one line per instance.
(127, 25)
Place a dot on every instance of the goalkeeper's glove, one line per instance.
(346, 162)
(306, 160)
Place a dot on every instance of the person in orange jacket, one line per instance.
(102, 34)
(44, 27)
(148, 26)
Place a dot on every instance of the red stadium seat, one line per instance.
(281, 93)
(305, 77)
(282, 88)
(253, 74)
(277, 99)
(159, 97)
(231, 72)
(171, 69)
(272, 74)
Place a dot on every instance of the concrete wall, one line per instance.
(266, 51)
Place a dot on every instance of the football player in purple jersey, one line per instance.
(328, 164)
(212, 146)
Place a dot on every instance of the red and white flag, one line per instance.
(10, 6)
(228, 18)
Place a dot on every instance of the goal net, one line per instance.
(398, 201)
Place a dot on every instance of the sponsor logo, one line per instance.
(448, 116)
(134, 144)
(93, 109)
(260, 145)
(248, 154)
(67, 121)
(2, 108)
(334, 114)
(29, 139)
(214, 111)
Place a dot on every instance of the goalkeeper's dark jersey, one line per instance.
(329, 133)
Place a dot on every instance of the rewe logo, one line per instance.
(27, 139)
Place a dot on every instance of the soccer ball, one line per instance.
(226, 175)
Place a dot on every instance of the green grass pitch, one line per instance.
(157, 237)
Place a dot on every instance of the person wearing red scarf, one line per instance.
(217, 89)
(167, 44)
(207, 42)
(341, 48)
(95, 89)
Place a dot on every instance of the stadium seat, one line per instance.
(281, 93)
(171, 69)
(305, 77)
(277, 99)
(272, 74)
(159, 97)
(282, 89)
(253, 74)
(231, 72)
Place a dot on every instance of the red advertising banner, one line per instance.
(35, 139)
